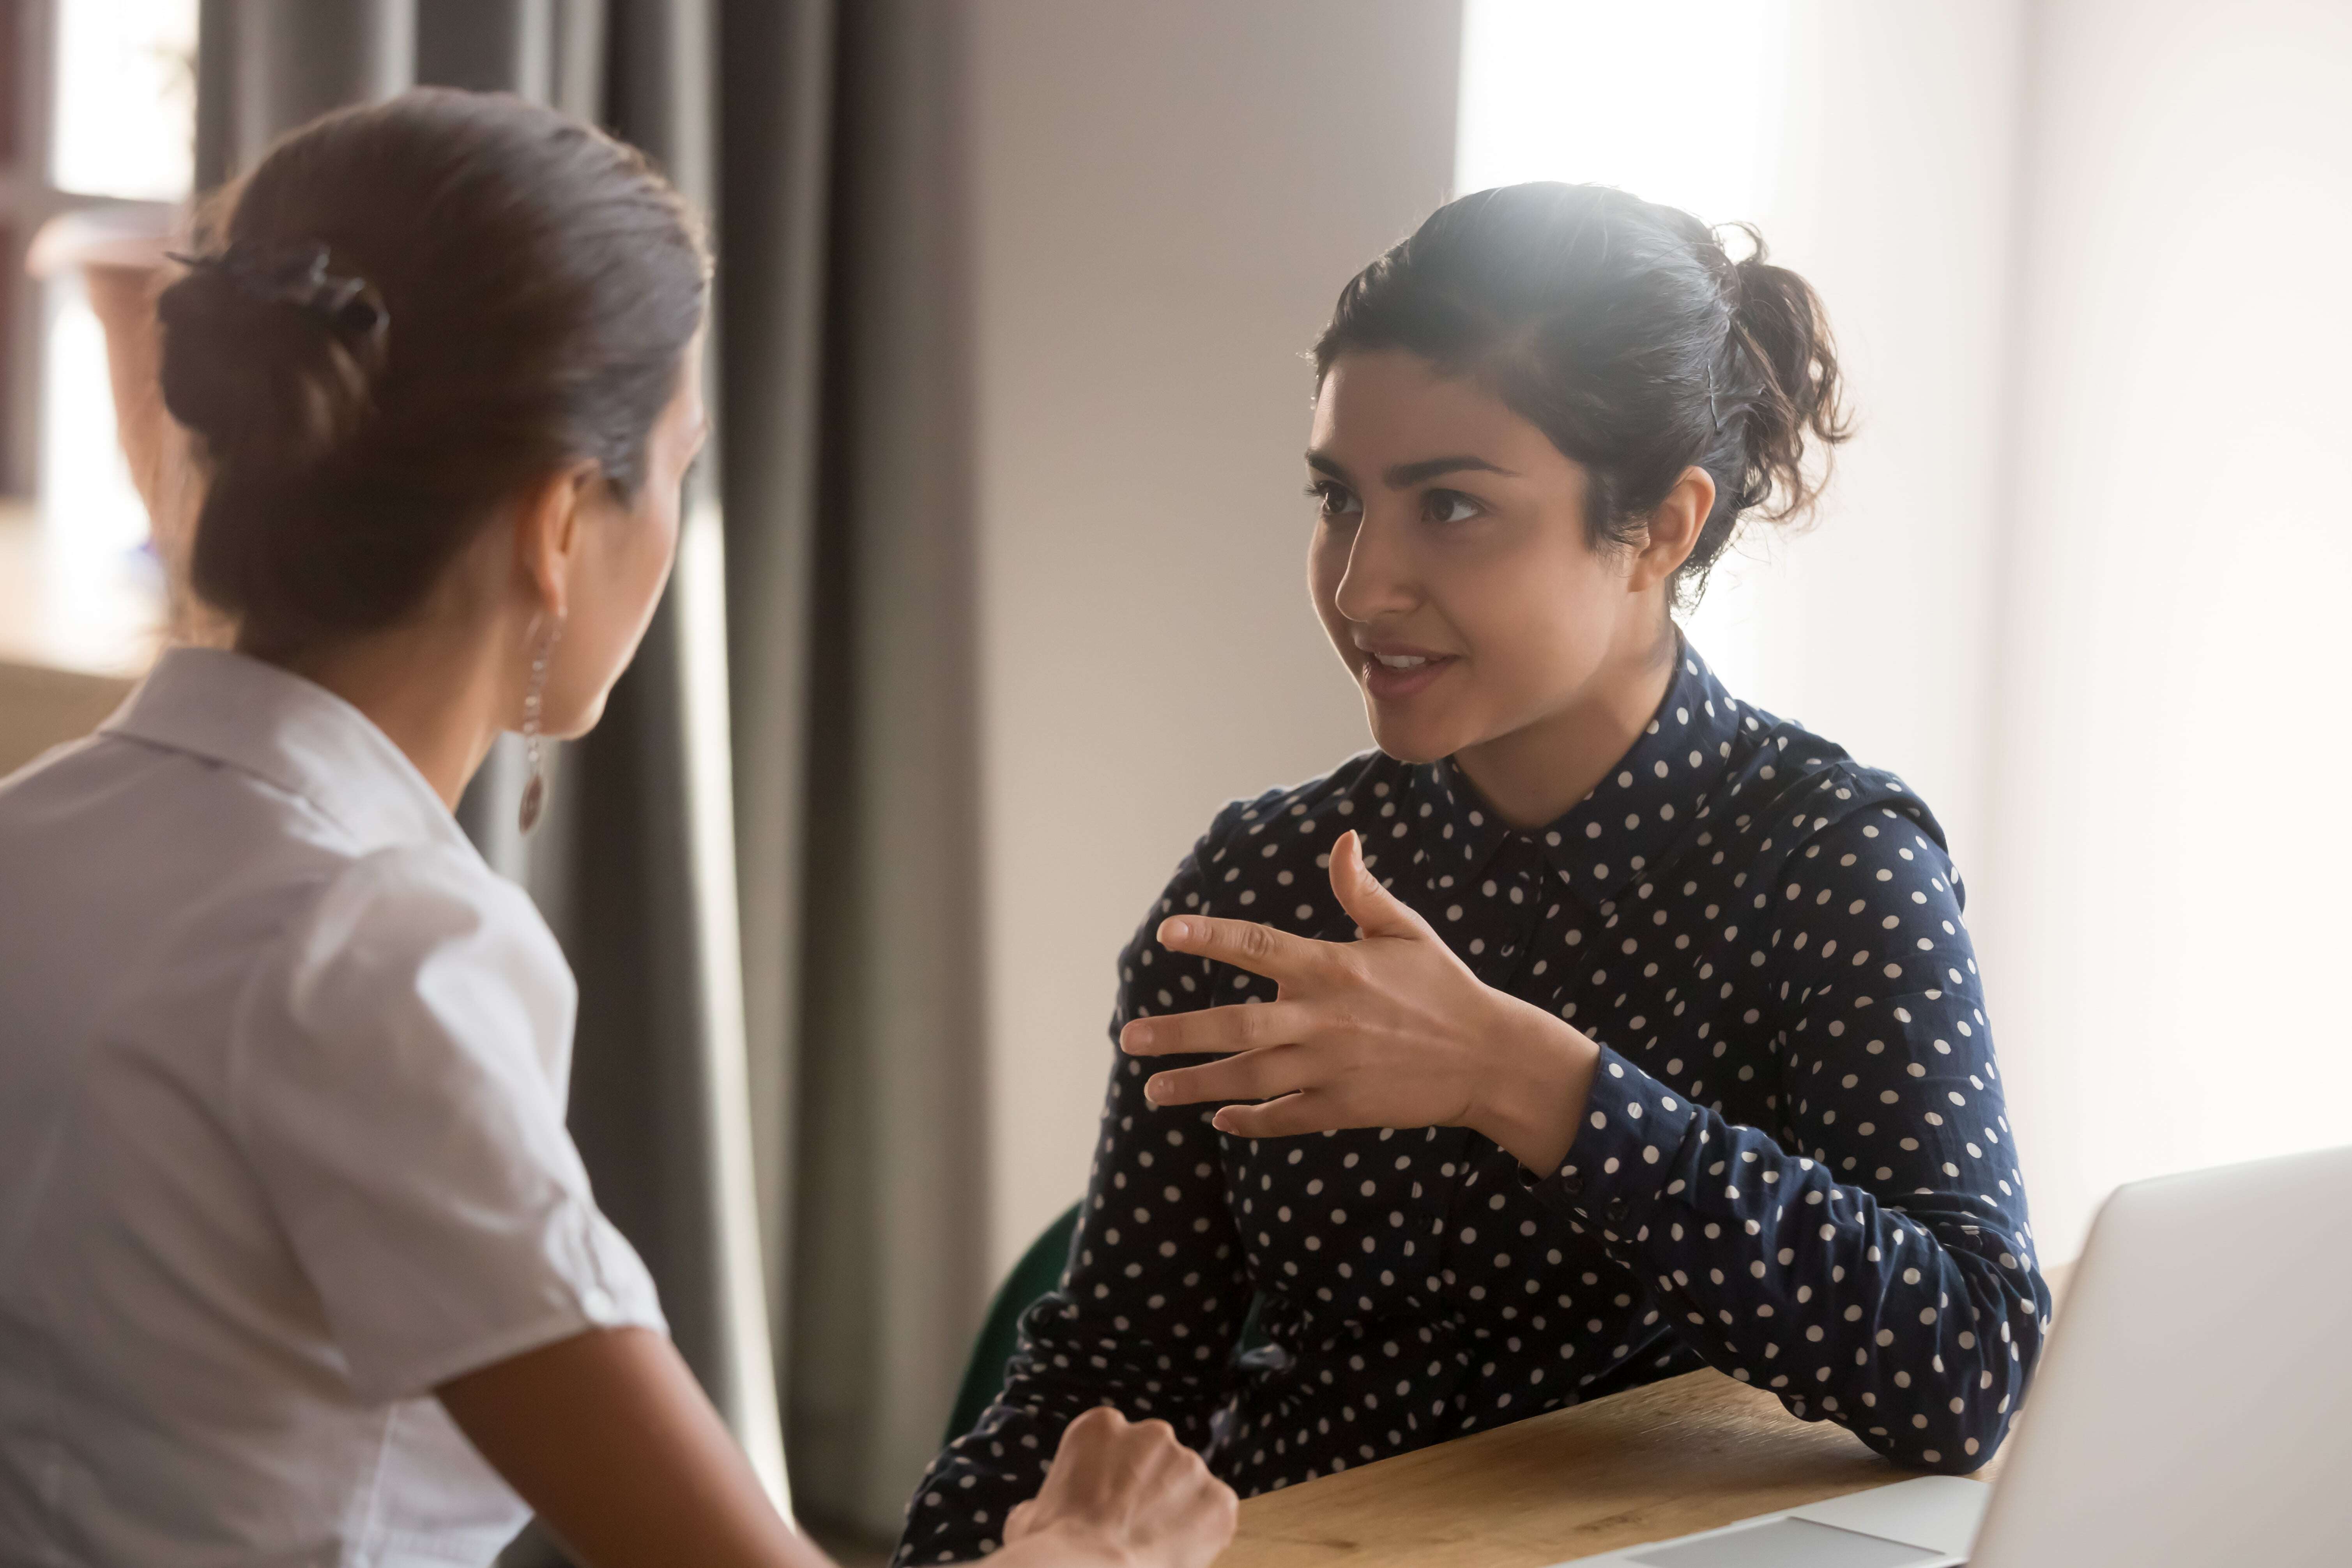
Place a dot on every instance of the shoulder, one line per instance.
(423, 940)
(1318, 811)
(421, 889)
(1788, 788)
(1806, 816)
(1267, 859)
(1262, 857)
(1277, 838)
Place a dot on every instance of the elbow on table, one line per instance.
(1964, 1413)
(1943, 1440)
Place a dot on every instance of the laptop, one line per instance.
(2194, 1406)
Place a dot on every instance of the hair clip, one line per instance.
(297, 275)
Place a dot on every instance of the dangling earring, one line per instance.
(534, 790)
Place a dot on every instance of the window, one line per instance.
(96, 113)
(126, 99)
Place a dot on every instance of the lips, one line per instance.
(1390, 675)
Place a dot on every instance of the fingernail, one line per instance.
(1135, 1036)
(1175, 931)
(1154, 1090)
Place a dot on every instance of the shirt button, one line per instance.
(1616, 1209)
(1571, 1183)
(597, 1303)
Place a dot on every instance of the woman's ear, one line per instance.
(549, 534)
(1673, 530)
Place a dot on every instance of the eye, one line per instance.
(1449, 506)
(1335, 499)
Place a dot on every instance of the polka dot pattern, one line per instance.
(1795, 1165)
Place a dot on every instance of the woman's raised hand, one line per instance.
(1391, 1030)
(1124, 1494)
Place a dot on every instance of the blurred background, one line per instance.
(997, 593)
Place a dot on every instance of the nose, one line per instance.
(1380, 583)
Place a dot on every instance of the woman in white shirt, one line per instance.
(298, 1263)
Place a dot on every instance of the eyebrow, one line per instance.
(1405, 476)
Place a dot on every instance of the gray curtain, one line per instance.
(763, 862)
(890, 1222)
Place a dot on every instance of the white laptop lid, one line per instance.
(1926, 1522)
(2196, 1403)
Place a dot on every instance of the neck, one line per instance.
(1536, 773)
(440, 694)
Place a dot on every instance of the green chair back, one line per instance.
(1038, 1274)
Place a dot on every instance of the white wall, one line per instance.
(1895, 198)
(2081, 576)
(2166, 918)
(1167, 199)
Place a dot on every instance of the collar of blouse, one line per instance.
(1701, 752)
(294, 735)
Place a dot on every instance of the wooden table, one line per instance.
(1691, 1453)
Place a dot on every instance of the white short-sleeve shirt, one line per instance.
(282, 1083)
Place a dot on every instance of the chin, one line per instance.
(1411, 742)
(580, 724)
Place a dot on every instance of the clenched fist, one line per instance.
(1122, 1494)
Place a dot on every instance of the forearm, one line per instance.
(1038, 1551)
(1916, 1328)
(1070, 1361)
(1145, 1317)
(1144, 1322)
(1060, 1548)
(609, 1439)
(1868, 1315)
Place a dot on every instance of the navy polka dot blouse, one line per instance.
(1794, 1168)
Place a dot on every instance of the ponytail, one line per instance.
(1781, 332)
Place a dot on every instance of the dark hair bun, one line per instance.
(1779, 327)
(272, 383)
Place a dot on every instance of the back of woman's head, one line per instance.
(408, 314)
(1625, 333)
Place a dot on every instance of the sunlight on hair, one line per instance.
(1678, 101)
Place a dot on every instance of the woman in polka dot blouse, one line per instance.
(1599, 1025)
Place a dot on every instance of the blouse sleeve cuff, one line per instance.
(1627, 1157)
